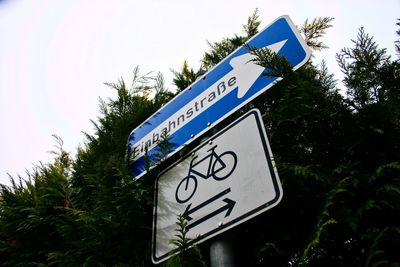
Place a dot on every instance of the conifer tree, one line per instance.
(337, 156)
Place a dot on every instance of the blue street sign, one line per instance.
(221, 91)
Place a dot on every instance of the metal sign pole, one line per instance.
(222, 252)
(221, 249)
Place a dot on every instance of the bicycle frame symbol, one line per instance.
(217, 168)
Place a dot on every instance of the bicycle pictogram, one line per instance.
(219, 167)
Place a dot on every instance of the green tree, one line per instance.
(397, 42)
(31, 211)
(337, 156)
(88, 211)
(338, 159)
(361, 66)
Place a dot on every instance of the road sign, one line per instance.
(224, 89)
(220, 184)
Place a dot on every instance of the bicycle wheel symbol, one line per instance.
(224, 165)
(186, 189)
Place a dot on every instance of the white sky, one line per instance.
(56, 55)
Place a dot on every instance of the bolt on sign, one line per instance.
(222, 183)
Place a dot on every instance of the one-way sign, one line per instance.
(224, 89)
(220, 184)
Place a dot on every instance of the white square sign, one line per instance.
(220, 184)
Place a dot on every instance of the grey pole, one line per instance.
(221, 252)
(221, 249)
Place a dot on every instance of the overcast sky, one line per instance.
(55, 55)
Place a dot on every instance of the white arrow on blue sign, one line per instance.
(221, 91)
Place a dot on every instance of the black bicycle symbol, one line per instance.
(219, 167)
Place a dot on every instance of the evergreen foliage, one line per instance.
(397, 45)
(189, 255)
(337, 154)
(276, 66)
(314, 30)
(186, 76)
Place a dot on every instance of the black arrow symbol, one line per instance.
(189, 211)
(228, 207)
